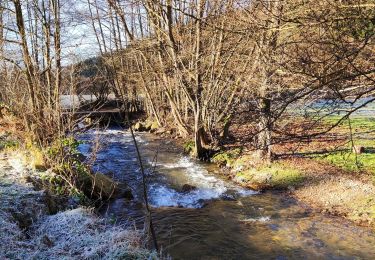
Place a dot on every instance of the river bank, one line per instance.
(317, 183)
(322, 186)
(36, 225)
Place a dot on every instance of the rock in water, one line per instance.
(228, 197)
(139, 127)
(148, 126)
(160, 131)
(188, 188)
(101, 186)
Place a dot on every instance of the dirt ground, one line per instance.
(337, 192)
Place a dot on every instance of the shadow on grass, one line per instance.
(310, 154)
(370, 150)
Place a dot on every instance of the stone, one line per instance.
(87, 121)
(228, 197)
(154, 127)
(139, 127)
(188, 188)
(203, 203)
(147, 126)
(102, 186)
(160, 131)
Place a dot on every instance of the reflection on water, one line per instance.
(216, 219)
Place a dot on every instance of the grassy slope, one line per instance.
(276, 176)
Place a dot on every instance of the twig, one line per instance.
(145, 196)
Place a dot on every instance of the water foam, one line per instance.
(260, 219)
(207, 187)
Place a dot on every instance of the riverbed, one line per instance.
(200, 215)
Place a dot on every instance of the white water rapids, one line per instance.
(117, 156)
(207, 186)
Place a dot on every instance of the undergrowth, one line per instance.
(66, 169)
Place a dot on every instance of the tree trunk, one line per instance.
(201, 144)
(57, 45)
(265, 130)
(224, 134)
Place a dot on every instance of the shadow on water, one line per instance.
(217, 219)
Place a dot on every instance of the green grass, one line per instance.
(358, 123)
(189, 146)
(349, 162)
(8, 144)
(275, 176)
(363, 130)
(226, 158)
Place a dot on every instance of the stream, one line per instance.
(199, 215)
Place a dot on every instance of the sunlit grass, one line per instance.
(363, 134)
(350, 161)
(275, 176)
(357, 123)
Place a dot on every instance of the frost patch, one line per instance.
(80, 234)
(72, 234)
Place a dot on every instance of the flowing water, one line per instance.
(214, 218)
